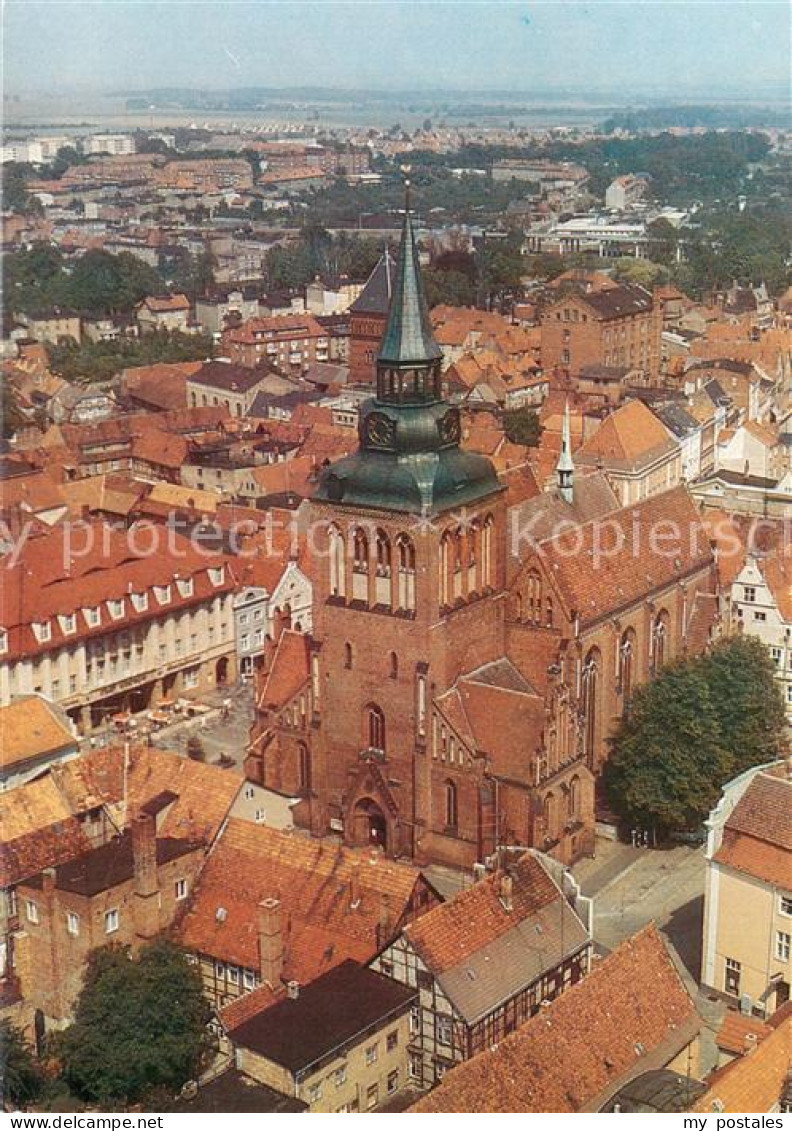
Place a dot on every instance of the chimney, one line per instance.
(293, 990)
(750, 1041)
(354, 886)
(270, 942)
(145, 883)
(506, 887)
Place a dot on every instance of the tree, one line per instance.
(747, 699)
(139, 1024)
(21, 1078)
(195, 748)
(641, 272)
(11, 416)
(522, 426)
(688, 732)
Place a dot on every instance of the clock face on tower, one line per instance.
(380, 430)
(449, 427)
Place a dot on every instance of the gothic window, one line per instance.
(534, 597)
(393, 666)
(376, 727)
(549, 612)
(421, 705)
(382, 580)
(626, 665)
(457, 559)
(451, 806)
(406, 572)
(573, 798)
(347, 655)
(360, 564)
(304, 768)
(474, 537)
(446, 558)
(517, 606)
(590, 690)
(660, 640)
(337, 563)
(487, 572)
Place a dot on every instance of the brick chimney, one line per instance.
(270, 942)
(145, 883)
(505, 889)
(354, 886)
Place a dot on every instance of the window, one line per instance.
(749, 594)
(72, 923)
(415, 1019)
(372, 1053)
(180, 888)
(162, 593)
(139, 601)
(233, 975)
(111, 921)
(191, 678)
(393, 1040)
(348, 656)
(259, 816)
(451, 805)
(732, 980)
(786, 905)
(414, 1066)
(116, 609)
(250, 792)
(69, 623)
(393, 666)
(43, 631)
(777, 655)
(31, 911)
(393, 1081)
(444, 1030)
(372, 1096)
(185, 586)
(376, 728)
(219, 970)
(314, 1093)
(3, 640)
(340, 1075)
(760, 616)
(783, 943)
(248, 979)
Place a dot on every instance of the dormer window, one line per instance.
(139, 601)
(68, 624)
(42, 631)
(185, 586)
(3, 641)
(116, 609)
(216, 575)
(162, 593)
(93, 617)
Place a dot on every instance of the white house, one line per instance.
(761, 600)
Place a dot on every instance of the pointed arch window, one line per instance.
(304, 768)
(590, 692)
(487, 565)
(348, 656)
(360, 564)
(549, 816)
(446, 561)
(393, 666)
(337, 563)
(405, 551)
(382, 569)
(626, 665)
(451, 806)
(375, 722)
(660, 640)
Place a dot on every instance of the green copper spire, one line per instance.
(408, 337)
(409, 459)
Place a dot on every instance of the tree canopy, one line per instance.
(101, 361)
(21, 1078)
(691, 730)
(140, 1024)
(522, 426)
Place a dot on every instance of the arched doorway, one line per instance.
(221, 671)
(369, 824)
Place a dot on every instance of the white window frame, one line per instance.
(372, 1053)
(785, 905)
(72, 923)
(783, 947)
(111, 921)
(180, 889)
(31, 911)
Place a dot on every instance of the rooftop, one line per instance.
(329, 1015)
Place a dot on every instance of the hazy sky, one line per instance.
(712, 45)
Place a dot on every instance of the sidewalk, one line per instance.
(610, 862)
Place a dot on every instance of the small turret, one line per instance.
(565, 468)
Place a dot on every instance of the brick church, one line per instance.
(459, 684)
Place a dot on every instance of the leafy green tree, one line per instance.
(747, 699)
(642, 272)
(688, 732)
(100, 361)
(21, 1077)
(522, 426)
(139, 1024)
(15, 196)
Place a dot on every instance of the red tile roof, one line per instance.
(752, 1083)
(630, 438)
(290, 670)
(757, 837)
(631, 1013)
(312, 880)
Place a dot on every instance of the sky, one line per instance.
(710, 47)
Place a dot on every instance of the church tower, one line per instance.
(409, 542)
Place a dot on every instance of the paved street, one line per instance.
(631, 887)
(219, 736)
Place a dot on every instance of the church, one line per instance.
(457, 688)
